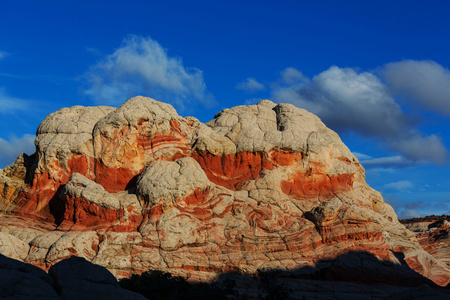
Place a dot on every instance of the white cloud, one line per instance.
(346, 100)
(142, 66)
(402, 185)
(9, 150)
(250, 85)
(362, 156)
(389, 161)
(359, 102)
(427, 83)
(10, 104)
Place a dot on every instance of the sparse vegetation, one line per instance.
(430, 218)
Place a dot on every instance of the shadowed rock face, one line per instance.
(73, 278)
(139, 187)
(354, 275)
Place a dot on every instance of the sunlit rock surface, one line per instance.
(264, 186)
(433, 234)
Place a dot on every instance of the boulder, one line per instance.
(76, 278)
(73, 278)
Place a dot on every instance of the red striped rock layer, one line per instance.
(139, 187)
(213, 231)
(100, 149)
(433, 236)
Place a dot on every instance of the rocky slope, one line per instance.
(433, 234)
(75, 278)
(264, 186)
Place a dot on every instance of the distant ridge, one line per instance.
(430, 218)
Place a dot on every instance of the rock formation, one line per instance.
(264, 186)
(433, 234)
(75, 278)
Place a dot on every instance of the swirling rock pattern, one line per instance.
(433, 235)
(139, 187)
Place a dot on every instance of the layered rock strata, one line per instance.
(433, 235)
(264, 186)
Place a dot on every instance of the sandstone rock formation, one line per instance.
(264, 186)
(433, 234)
(76, 278)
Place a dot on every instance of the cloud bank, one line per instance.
(348, 101)
(397, 161)
(9, 150)
(142, 66)
(424, 82)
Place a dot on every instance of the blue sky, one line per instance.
(377, 72)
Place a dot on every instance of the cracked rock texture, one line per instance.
(138, 187)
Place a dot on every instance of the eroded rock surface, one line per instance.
(433, 235)
(264, 186)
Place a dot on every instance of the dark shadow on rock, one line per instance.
(71, 279)
(76, 278)
(354, 275)
(22, 168)
(19, 280)
(57, 206)
(30, 164)
(363, 267)
(132, 183)
(436, 224)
